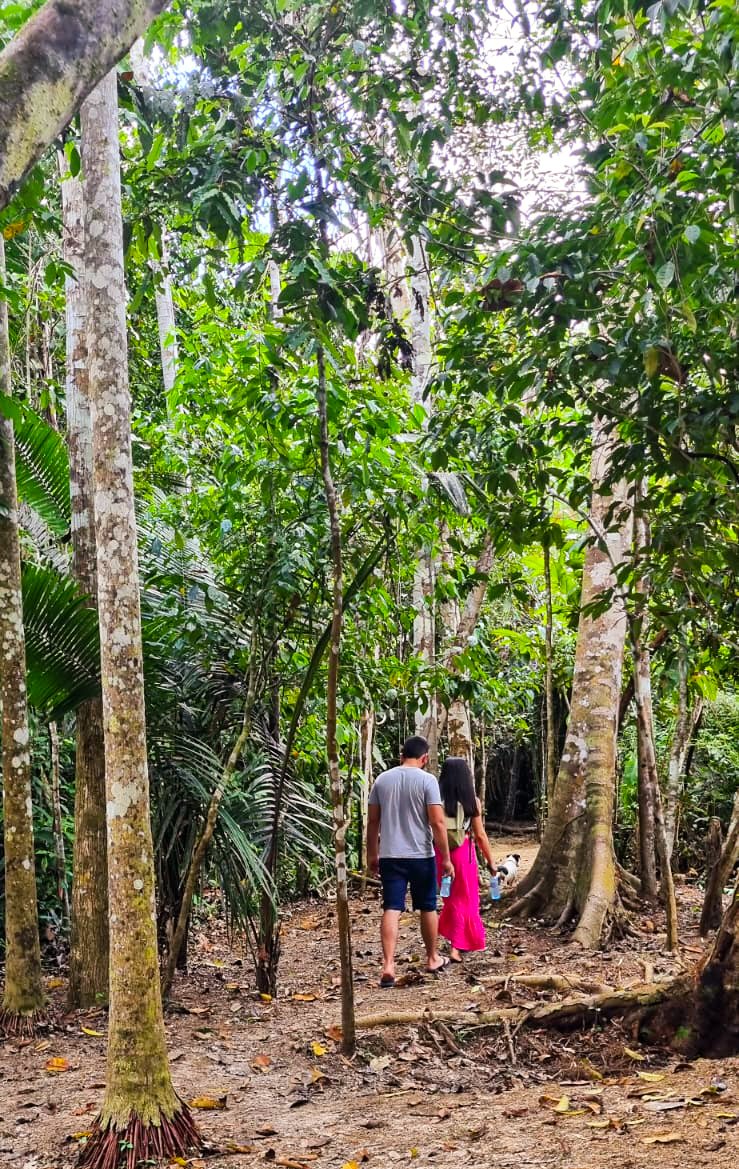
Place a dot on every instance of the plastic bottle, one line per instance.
(495, 887)
(446, 886)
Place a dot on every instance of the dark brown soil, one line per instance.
(421, 1095)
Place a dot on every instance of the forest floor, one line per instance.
(413, 1094)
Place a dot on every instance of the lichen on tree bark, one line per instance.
(88, 955)
(574, 873)
(23, 997)
(140, 1104)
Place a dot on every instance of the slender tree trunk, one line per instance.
(88, 955)
(550, 738)
(687, 721)
(647, 778)
(574, 872)
(56, 814)
(366, 741)
(720, 872)
(23, 998)
(141, 1108)
(348, 1031)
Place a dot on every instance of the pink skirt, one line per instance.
(459, 921)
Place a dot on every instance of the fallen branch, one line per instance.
(572, 1010)
(557, 982)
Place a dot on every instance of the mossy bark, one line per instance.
(139, 1099)
(574, 873)
(48, 69)
(88, 956)
(23, 996)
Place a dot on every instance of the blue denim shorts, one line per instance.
(396, 873)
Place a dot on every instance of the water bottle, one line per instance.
(446, 886)
(495, 887)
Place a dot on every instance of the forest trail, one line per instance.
(408, 1097)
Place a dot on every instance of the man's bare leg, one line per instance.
(389, 937)
(430, 935)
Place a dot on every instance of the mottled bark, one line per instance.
(343, 918)
(574, 872)
(688, 718)
(647, 778)
(23, 996)
(366, 741)
(713, 906)
(140, 1105)
(550, 735)
(88, 955)
(60, 857)
(48, 69)
(720, 872)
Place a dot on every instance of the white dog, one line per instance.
(508, 871)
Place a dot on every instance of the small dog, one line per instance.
(508, 871)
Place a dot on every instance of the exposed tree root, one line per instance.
(567, 1013)
(22, 1025)
(561, 983)
(139, 1143)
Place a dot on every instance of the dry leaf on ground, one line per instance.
(208, 1103)
(57, 1064)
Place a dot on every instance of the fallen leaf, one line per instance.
(266, 998)
(94, 1034)
(82, 1136)
(304, 998)
(557, 1103)
(651, 1077)
(316, 1075)
(636, 1055)
(261, 1062)
(267, 1131)
(413, 1153)
(54, 983)
(599, 1124)
(232, 986)
(379, 1063)
(230, 1147)
(334, 1032)
(317, 1048)
(664, 1138)
(178, 1161)
(208, 1103)
(198, 1010)
(350, 1165)
(57, 1064)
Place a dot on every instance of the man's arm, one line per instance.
(373, 837)
(437, 820)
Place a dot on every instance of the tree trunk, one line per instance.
(720, 872)
(647, 778)
(366, 740)
(348, 1031)
(709, 1025)
(140, 1107)
(550, 738)
(23, 998)
(60, 857)
(574, 871)
(88, 955)
(713, 905)
(60, 54)
(687, 721)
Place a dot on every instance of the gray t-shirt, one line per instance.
(402, 794)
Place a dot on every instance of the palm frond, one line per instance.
(42, 465)
(450, 486)
(62, 642)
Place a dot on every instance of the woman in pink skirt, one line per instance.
(460, 922)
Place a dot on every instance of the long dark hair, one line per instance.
(457, 786)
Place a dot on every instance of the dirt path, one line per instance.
(412, 1094)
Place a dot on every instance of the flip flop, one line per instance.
(387, 982)
(444, 963)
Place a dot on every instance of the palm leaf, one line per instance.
(41, 465)
(62, 642)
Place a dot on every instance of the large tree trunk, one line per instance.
(459, 727)
(88, 955)
(23, 998)
(140, 1107)
(48, 69)
(574, 872)
(687, 721)
(348, 1030)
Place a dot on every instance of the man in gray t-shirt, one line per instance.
(406, 818)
